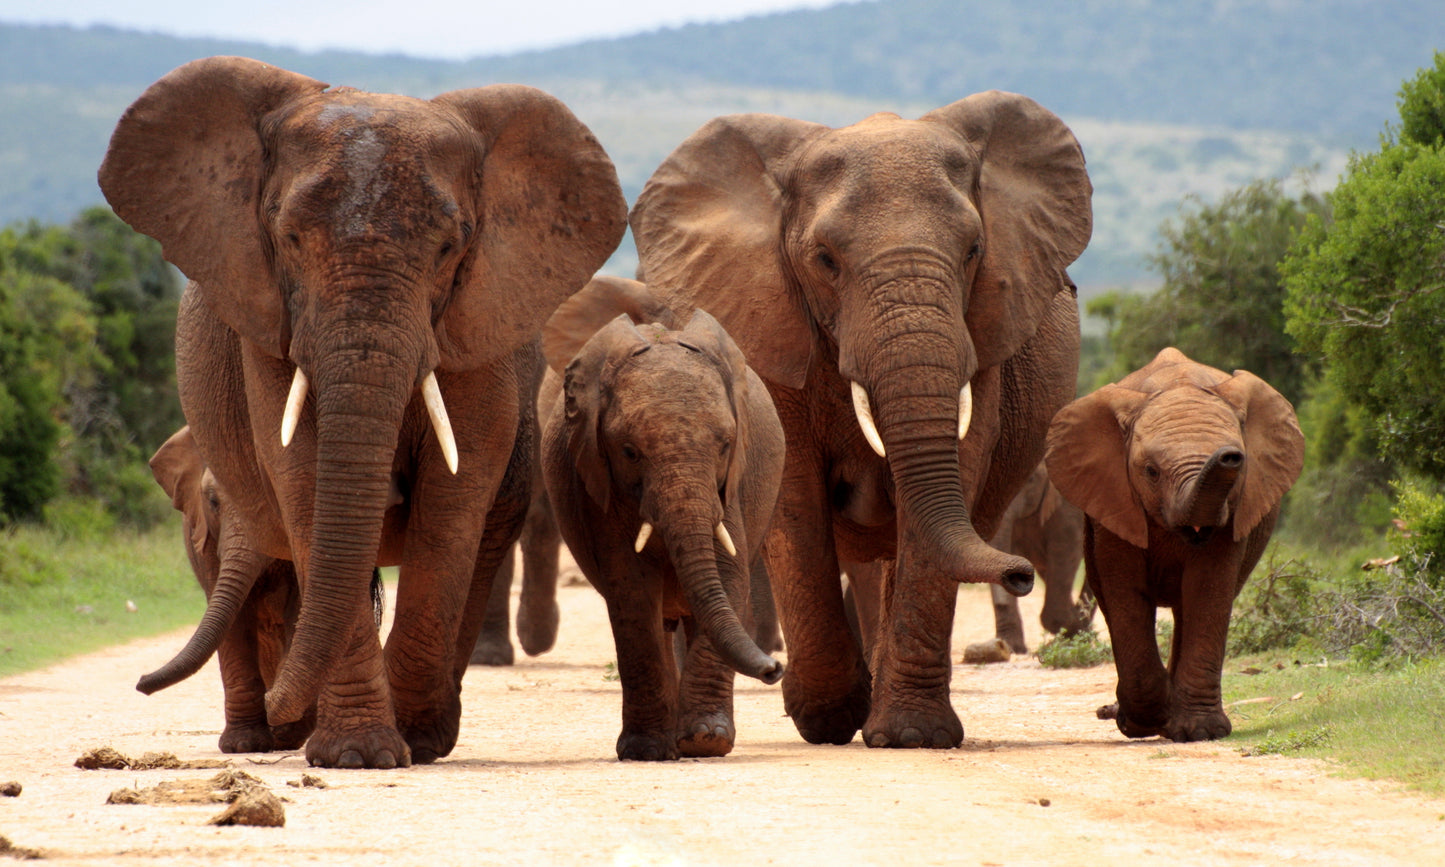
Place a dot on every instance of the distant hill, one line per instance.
(1168, 98)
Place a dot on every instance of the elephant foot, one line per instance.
(829, 721)
(537, 632)
(936, 727)
(291, 736)
(432, 735)
(706, 737)
(646, 747)
(1198, 727)
(492, 650)
(248, 739)
(1134, 722)
(363, 746)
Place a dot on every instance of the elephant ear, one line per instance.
(708, 227)
(707, 334)
(1273, 443)
(551, 212)
(1034, 199)
(585, 383)
(599, 302)
(185, 166)
(179, 469)
(1088, 458)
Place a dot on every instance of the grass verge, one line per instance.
(1376, 721)
(63, 594)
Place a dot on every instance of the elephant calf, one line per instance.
(662, 458)
(1179, 469)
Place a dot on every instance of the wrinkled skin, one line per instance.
(1179, 468)
(377, 244)
(902, 260)
(668, 429)
(225, 565)
(1047, 530)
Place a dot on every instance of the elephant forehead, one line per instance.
(888, 149)
(670, 385)
(1188, 420)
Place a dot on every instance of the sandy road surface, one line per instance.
(535, 780)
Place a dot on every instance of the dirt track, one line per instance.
(535, 780)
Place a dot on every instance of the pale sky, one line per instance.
(453, 29)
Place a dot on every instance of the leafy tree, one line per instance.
(1364, 291)
(1221, 301)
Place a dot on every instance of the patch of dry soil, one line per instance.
(535, 780)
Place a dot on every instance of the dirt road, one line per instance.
(535, 780)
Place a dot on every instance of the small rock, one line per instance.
(1044, 802)
(993, 650)
(10, 789)
(308, 781)
(130, 606)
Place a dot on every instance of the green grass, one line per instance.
(1375, 722)
(63, 594)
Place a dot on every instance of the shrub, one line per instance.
(1075, 650)
(1274, 610)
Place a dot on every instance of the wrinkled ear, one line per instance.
(1273, 443)
(552, 211)
(707, 333)
(179, 469)
(1088, 460)
(1034, 198)
(599, 302)
(585, 387)
(185, 166)
(708, 227)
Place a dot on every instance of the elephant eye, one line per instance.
(827, 262)
(974, 251)
(1152, 472)
(630, 452)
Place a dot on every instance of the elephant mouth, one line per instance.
(1195, 536)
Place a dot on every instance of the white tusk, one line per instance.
(865, 419)
(294, 401)
(726, 540)
(965, 409)
(431, 393)
(642, 536)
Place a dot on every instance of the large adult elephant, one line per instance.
(900, 286)
(355, 257)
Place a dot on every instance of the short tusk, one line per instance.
(965, 409)
(727, 541)
(300, 385)
(865, 419)
(431, 393)
(642, 536)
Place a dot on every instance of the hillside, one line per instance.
(1169, 99)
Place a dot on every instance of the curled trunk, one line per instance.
(1206, 503)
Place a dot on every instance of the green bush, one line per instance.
(1418, 534)
(1075, 650)
(1275, 609)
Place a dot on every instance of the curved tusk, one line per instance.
(965, 409)
(300, 385)
(431, 393)
(865, 419)
(642, 536)
(727, 541)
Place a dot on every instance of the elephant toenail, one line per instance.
(350, 759)
(910, 738)
(878, 739)
(385, 760)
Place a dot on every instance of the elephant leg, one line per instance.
(705, 724)
(864, 599)
(277, 601)
(355, 717)
(537, 613)
(494, 645)
(826, 686)
(647, 670)
(1115, 570)
(245, 689)
(1008, 624)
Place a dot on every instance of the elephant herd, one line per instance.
(847, 350)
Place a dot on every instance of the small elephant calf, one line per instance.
(1179, 468)
(662, 458)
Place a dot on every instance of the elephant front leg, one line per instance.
(494, 645)
(910, 692)
(1115, 570)
(826, 685)
(648, 673)
(705, 725)
(1201, 628)
(245, 691)
(355, 720)
(537, 613)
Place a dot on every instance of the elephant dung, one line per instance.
(983, 652)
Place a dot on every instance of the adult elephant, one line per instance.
(900, 286)
(355, 257)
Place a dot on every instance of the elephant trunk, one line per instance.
(694, 547)
(919, 409)
(1206, 502)
(361, 394)
(232, 587)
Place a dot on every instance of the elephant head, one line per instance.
(658, 427)
(368, 241)
(900, 256)
(1177, 445)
